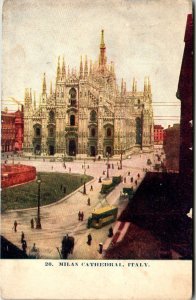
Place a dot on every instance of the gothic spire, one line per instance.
(34, 100)
(145, 84)
(63, 69)
(50, 87)
(90, 70)
(44, 85)
(86, 67)
(102, 58)
(149, 86)
(58, 69)
(81, 68)
(122, 86)
(133, 85)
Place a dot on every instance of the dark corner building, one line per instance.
(185, 95)
(159, 223)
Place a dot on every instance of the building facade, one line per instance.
(171, 146)
(158, 134)
(12, 126)
(88, 115)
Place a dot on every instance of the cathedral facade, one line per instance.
(87, 114)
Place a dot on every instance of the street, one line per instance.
(61, 218)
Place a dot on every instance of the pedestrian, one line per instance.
(65, 166)
(88, 166)
(135, 182)
(79, 216)
(22, 237)
(24, 246)
(91, 189)
(15, 226)
(69, 170)
(129, 173)
(32, 223)
(100, 179)
(125, 180)
(82, 216)
(110, 233)
(64, 189)
(138, 175)
(89, 201)
(100, 248)
(89, 239)
(34, 249)
(52, 167)
(131, 179)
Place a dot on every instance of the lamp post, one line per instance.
(107, 165)
(84, 189)
(38, 223)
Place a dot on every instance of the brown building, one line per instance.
(12, 127)
(158, 134)
(171, 147)
(185, 95)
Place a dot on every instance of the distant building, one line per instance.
(12, 128)
(185, 95)
(171, 147)
(158, 134)
(87, 114)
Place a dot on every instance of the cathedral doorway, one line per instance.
(92, 151)
(72, 147)
(51, 150)
(37, 149)
(109, 150)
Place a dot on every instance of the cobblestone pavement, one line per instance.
(61, 218)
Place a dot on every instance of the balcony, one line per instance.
(72, 128)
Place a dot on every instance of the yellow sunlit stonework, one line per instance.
(86, 114)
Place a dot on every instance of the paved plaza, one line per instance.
(61, 218)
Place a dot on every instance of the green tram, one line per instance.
(102, 216)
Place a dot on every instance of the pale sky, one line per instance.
(142, 37)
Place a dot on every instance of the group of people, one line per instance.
(89, 239)
(80, 216)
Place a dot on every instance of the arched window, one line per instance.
(37, 131)
(51, 116)
(108, 132)
(72, 120)
(138, 125)
(93, 132)
(72, 93)
(93, 116)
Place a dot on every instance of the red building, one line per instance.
(158, 134)
(12, 128)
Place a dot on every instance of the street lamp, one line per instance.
(38, 222)
(84, 189)
(107, 165)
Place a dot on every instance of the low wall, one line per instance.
(16, 174)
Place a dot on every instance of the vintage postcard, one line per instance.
(96, 149)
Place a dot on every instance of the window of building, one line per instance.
(37, 131)
(108, 132)
(72, 120)
(93, 116)
(93, 132)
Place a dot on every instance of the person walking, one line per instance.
(89, 239)
(24, 246)
(89, 202)
(32, 223)
(82, 216)
(22, 237)
(100, 248)
(15, 226)
(79, 216)
(110, 233)
(91, 189)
